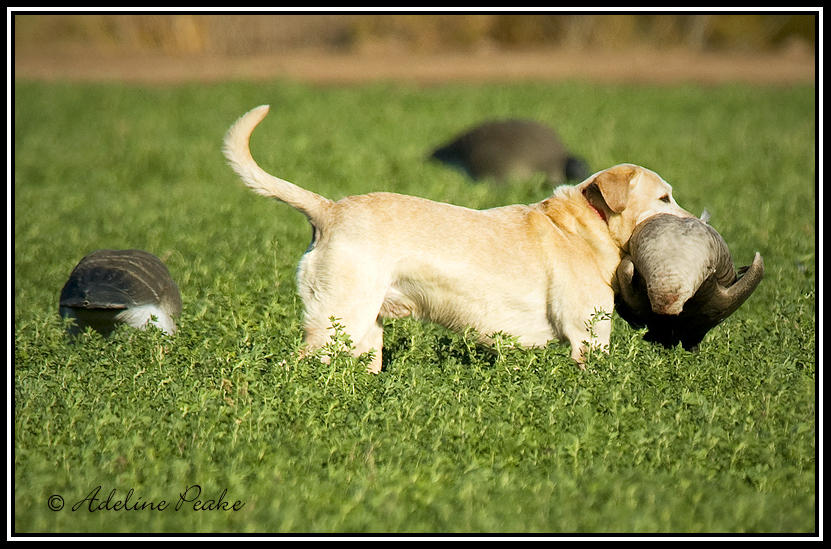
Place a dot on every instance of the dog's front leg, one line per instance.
(594, 339)
(590, 331)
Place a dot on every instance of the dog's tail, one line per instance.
(236, 150)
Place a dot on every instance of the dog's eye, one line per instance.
(664, 198)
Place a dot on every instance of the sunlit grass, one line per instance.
(451, 437)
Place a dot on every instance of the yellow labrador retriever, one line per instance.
(537, 272)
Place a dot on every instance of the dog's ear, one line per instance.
(614, 185)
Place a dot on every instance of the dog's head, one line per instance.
(626, 194)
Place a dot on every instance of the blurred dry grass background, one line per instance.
(246, 34)
(69, 44)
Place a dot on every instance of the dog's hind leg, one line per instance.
(373, 340)
(355, 309)
(364, 339)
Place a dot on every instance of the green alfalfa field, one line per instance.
(220, 428)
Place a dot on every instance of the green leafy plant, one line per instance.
(451, 437)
